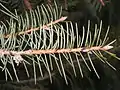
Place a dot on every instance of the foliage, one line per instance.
(39, 43)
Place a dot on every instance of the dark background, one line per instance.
(77, 11)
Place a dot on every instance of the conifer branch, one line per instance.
(50, 51)
(46, 27)
(48, 46)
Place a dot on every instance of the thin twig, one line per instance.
(46, 27)
(101, 1)
(27, 4)
(51, 51)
